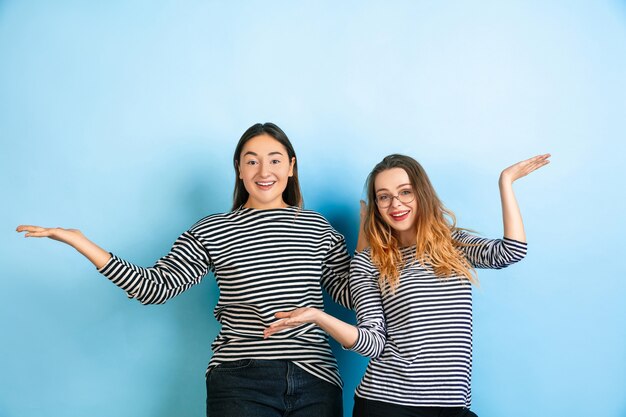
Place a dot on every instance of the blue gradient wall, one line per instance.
(119, 118)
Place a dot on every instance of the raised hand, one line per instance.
(523, 168)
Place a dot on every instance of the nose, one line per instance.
(265, 169)
(395, 201)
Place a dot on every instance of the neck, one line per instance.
(407, 238)
(251, 203)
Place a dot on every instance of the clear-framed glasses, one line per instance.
(404, 196)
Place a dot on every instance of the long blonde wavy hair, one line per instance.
(435, 225)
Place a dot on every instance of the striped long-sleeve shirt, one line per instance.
(264, 261)
(420, 338)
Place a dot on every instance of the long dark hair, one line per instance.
(292, 194)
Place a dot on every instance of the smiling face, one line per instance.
(391, 186)
(265, 168)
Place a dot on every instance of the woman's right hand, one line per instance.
(73, 237)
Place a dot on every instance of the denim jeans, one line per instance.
(370, 408)
(269, 388)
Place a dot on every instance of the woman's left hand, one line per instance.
(291, 319)
(523, 168)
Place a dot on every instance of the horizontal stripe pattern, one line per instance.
(420, 338)
(264, 261)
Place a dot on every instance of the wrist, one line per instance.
(318, 317)
(70, 236)
(505, 180)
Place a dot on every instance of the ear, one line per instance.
(291, 165)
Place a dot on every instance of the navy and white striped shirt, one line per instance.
(420, 338)
(264, 261)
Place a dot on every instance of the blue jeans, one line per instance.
(269, 388)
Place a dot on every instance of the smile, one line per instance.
(400, 215)
(265, 184)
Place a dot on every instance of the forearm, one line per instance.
(342, 332)
(98, 256)
(361, 242)
(511, 215)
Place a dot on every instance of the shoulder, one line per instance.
(364, 255)
(311, 216)
(363, 259)
(314, 220)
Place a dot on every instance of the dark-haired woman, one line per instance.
(412, 293)
(268, 254)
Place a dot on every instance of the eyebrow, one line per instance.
(269, 154)
(399, 186)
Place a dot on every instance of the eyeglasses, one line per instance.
(404, 196)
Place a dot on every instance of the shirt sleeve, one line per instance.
(184, 266)
(335, 277)
(367, 299)
(490, 253)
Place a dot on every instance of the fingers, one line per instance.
(535, 163)
(523, 168)
(27, 228)
(272, 330)
(269, 332)
(33, 231)
(539, 159)
(284, 323)
(279, 326)
(287, 320)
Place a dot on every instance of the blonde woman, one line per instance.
(412, 293)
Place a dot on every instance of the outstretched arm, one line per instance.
(73, 237)
(511, 215)
(184, 266)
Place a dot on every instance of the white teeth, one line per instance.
(265, 184)
(399, 214)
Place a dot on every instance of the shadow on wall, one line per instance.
(189, 316)
(193, 312)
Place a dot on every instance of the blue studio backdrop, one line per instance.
(119, 118)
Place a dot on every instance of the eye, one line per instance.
(383, 197)
(406, 192)
(275, 161)
(251, 162)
